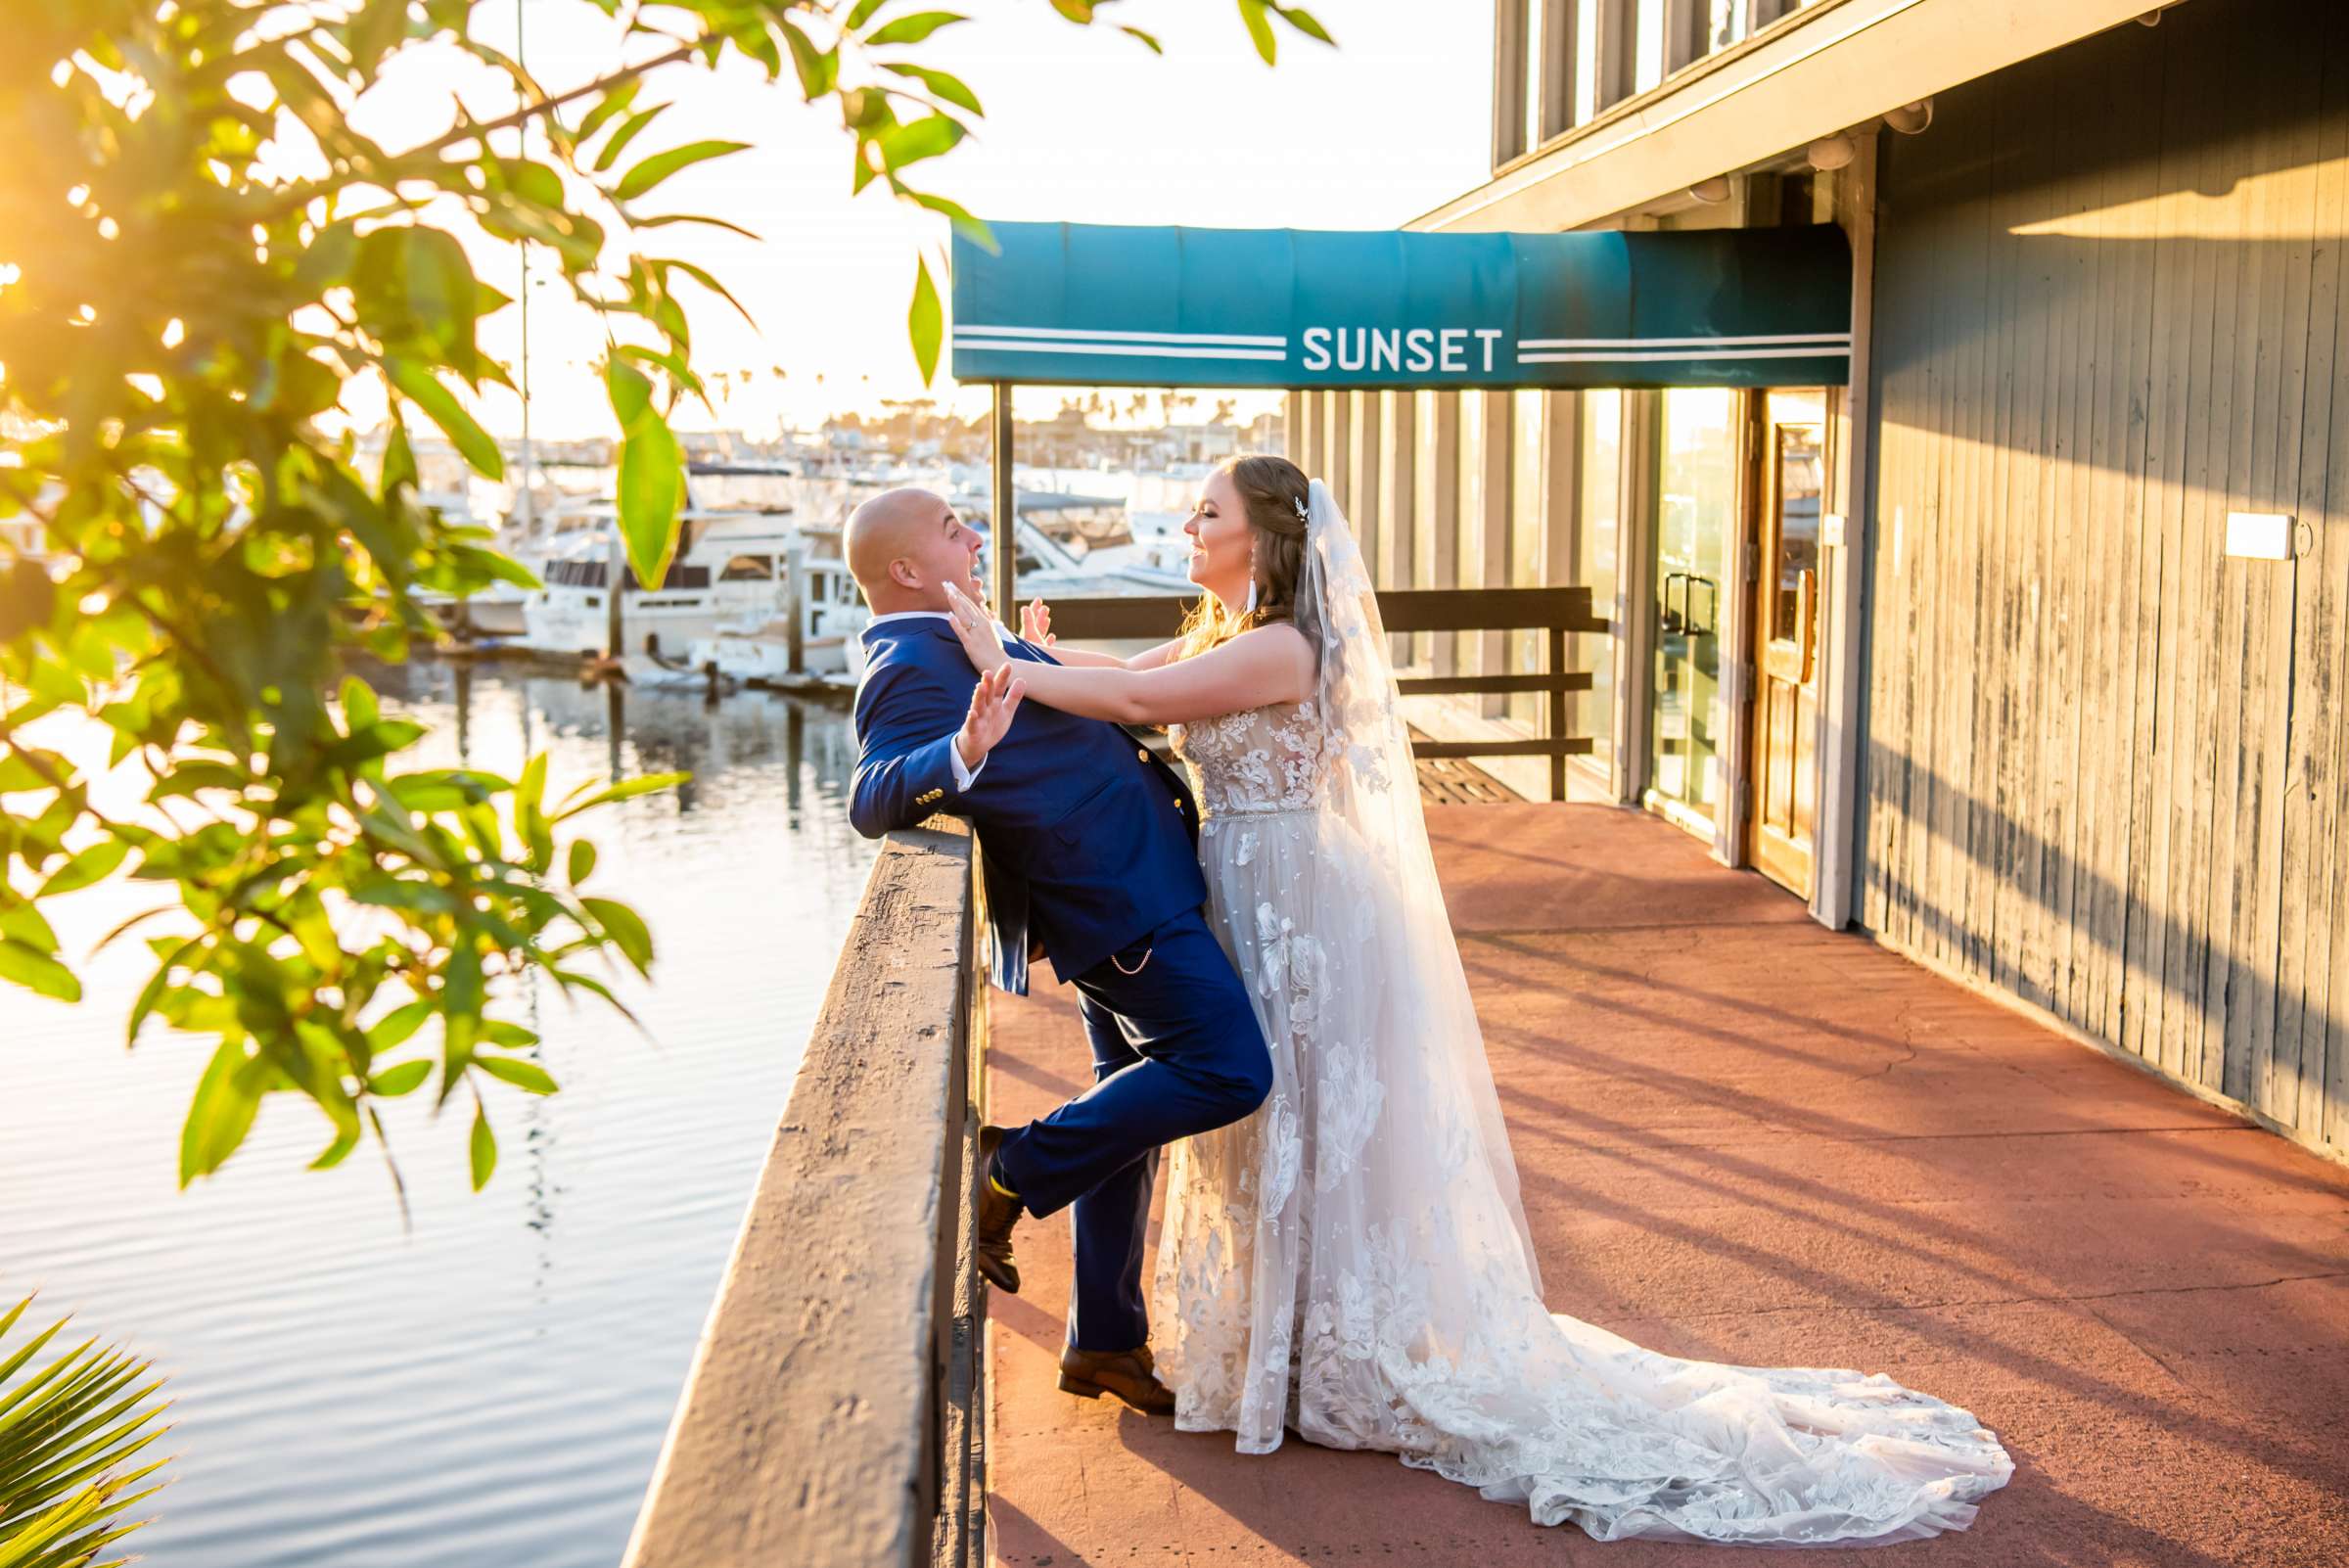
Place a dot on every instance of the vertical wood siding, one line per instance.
(2108, 766)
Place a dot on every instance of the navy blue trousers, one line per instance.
(1177, 1051)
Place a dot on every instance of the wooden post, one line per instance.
(1844, 631)
(795, 606)
(615, 576)
(1557, 711)
(1003, 528)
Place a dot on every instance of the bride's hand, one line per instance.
(1036, 622)
(977, 630)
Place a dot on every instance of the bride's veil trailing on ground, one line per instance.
(1373, 788)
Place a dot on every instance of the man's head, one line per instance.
(907, 546)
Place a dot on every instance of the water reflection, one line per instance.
(492, 1387)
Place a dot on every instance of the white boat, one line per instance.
(728, 576)
(761, 653)
(496, 611)
(1049, 567)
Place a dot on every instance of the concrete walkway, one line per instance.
(1746, 1138)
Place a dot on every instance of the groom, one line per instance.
(1087, 845)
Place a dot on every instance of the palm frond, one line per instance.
(68, 1431)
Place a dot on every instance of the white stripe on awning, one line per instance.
(1839, 339)
(1128, 350)
(1823, 351)
(1073, 333)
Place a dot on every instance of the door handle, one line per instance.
(1712, 606)
(1669, 620)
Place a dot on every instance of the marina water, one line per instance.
(487, 1388)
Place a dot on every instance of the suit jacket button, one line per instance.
(1142, 753)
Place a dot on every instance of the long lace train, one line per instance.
(1352, 1259)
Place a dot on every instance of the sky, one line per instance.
(1082, 124)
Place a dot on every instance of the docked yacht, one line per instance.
(730, 576)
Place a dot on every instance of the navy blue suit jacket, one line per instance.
(1087, 842)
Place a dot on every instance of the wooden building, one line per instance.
(2025, 651)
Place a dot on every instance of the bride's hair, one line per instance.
(1272, 492)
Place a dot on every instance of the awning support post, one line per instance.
(1003, 522)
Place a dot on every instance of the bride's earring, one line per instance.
(1251, 610)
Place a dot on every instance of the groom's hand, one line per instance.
(994, 702)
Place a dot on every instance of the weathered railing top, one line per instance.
(808, 1431)
(1555, 611)
(1562, 609)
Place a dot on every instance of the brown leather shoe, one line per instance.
(998, 1214)
(1131, 1375)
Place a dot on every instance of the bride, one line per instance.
(1352, 1259)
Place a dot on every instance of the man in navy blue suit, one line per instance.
(1088, 849)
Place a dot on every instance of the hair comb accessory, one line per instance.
(1298, 502)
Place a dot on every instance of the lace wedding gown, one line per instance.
(1352, 1261)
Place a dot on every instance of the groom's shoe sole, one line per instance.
(991, 1248)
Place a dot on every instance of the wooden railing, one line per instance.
(1557, 613)
(835, 1410)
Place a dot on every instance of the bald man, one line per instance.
(1088, 844)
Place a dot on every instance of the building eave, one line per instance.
(1829, 67)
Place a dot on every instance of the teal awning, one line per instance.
(1096, 306)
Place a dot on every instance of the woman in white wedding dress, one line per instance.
(1352, 1261)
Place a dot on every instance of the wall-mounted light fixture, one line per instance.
(1910, 119)
(1711, 192)
(2267, 535)
(1831, 153)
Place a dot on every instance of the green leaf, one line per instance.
(485, 1149)
(694, 218)
(631, 389)
(625, 928)
(625, 134)
(424, 389)
(405, 1079)
(944, 84)
(624, 790)
(912, 29)
(19, 773)
(393, 1030)
(1260, 28)
(94, 863)
(706, 281)
(36, 971)
(221, 1113)
(346, 1139)
(652, 491)
(927, 137)
(583, 865)
(864, 13)
(925, 324)
(359, 707)
(965, 224)
(1302, 20)
(461, 995)
(611, 104)
(400, 460)
(26, 923)
(1149, 40)
(529, 1077)
(661, 166)
(819, 70)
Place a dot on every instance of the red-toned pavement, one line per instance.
(1747, 1138)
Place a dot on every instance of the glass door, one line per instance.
(1697, 525)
